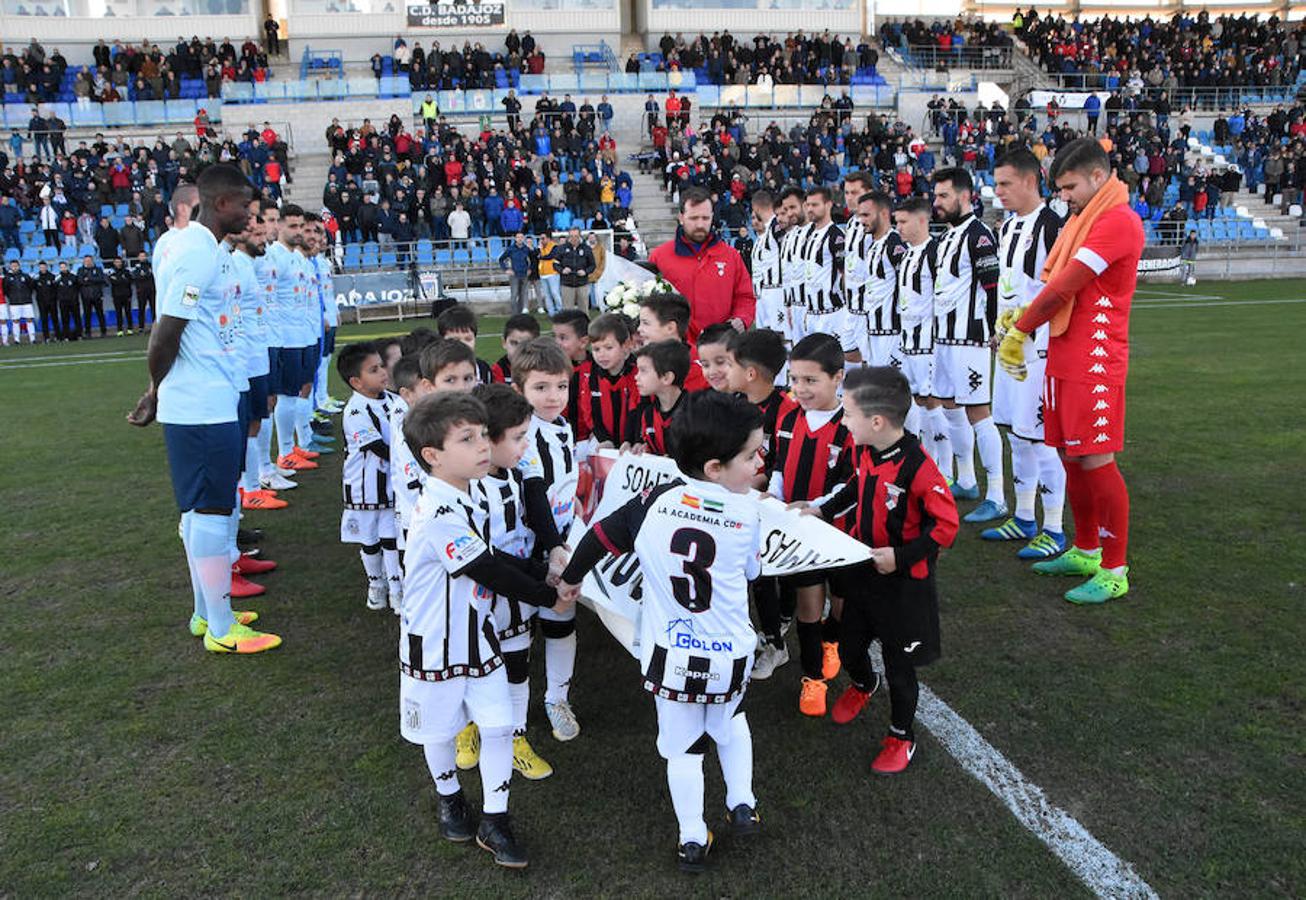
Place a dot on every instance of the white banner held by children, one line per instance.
(791, 543)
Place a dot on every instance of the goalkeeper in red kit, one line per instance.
(1090, 277)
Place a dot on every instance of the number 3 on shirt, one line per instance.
(694, 592)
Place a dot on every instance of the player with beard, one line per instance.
(965, 307)
(823, 286)
(793, 269)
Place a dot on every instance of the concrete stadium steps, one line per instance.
(310, 173)
(654, 212)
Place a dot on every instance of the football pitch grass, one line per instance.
(1169, 723)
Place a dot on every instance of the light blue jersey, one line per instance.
(267, 271)
(292, 287)
(198, 283)
(251, 316)
(327, 286)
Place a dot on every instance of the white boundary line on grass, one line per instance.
(16, 365)
(1101, 871)
(1156, 294)
(60, 356)
(1202, 304)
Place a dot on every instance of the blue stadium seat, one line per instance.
(480, 253)
(444, 257)
(389, 258)
(48, 253)
(13, 253)
(425, 252)
(87, 250)
(68, 251)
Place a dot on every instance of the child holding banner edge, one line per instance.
(695, 637)
(902, 509)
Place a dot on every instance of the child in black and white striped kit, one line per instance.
(368, 518)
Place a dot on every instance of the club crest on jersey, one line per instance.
(721, 270)
(892, 493)
(834, 451)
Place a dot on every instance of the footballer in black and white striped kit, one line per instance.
(793, 266)
(765, 264)
(965, 308)
(883, 251)
(823, 287)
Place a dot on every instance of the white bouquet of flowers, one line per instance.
(623, 298)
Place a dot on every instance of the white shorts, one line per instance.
(433, 712)
(838, 324)
(919, 369)
(366, 526)
(1019, 404)
(681, 725)
(13, 312)
(770, 310)
(963, 374)
(512, 620)
(885, 350)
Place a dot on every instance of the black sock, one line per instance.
(809, 648)
(788, 601)
(830, 630)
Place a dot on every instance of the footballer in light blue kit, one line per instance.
(330, 319)
(195, 380)
(288, 317)
(267, 270)
(252, 315)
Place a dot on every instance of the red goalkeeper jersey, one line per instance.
(1094, 349)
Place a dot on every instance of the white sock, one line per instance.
(285, 418)
(374, 568)
(989, 441)
(559, 665)
(1024, 475)
(521, 701)
(914, 421)
(208, 538)
(1052, 485)
(736, 758)
(963, 445)
(444, 771)
(496, 769)
(264, 439)
(942, 443)
(4, 334)
(390, 558)
(31, 331)
(196, 588)
(249, 478)
(685, 779)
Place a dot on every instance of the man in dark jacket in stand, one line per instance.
(70, 314)
(575, 262)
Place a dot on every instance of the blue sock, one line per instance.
(209, 537)
(200, 610)
(285, 418)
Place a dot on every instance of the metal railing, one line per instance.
(134, 138)
(932, 56)
(1196, 97)
(122, 114)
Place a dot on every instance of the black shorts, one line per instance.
(845, 580)
(904, 613)
(804, 579)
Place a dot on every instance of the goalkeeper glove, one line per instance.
(1007, 319)
(1011, 353)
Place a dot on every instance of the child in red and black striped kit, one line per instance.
(902, 509)
(813, 456)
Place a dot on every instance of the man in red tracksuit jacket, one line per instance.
(704, 269)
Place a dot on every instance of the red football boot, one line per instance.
(247, 566)
(242, 587)
(895, 757)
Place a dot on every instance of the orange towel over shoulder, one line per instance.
(1072, 237)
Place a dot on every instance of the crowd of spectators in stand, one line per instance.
(797, 59)
(964, 41)
(1151, 55)
(398, 185)
(66, 192)
(472, 66)
(194, 68)
(722, 156)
